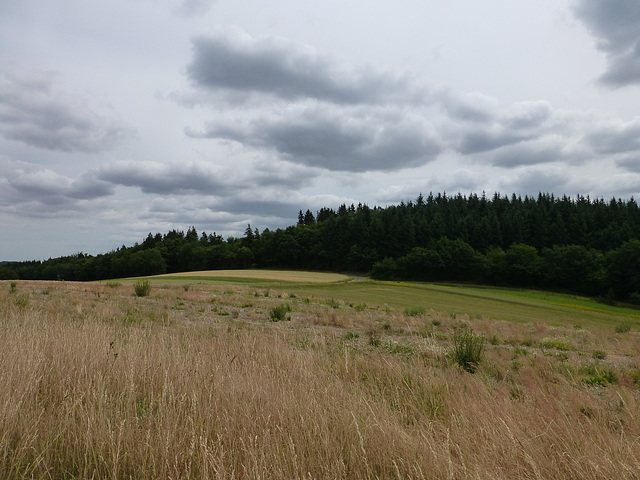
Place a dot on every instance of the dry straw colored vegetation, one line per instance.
(197, 381)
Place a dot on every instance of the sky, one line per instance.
(129, 117)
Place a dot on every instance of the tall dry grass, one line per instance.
(96, 383)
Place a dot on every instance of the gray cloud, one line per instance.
(487, 139)
(615, 137)
(525, 154)
(531, 181)
(235, 61)
(546, 149)
(522, 122)
(32, 112)
(467, 108)
(336, 118)
(160, 178)
(23, 184)
(335, 139)
(631, 164)
(274, 173)
(260, 208)
(614, 24)
(191, 8)
(88, 188)
(525, 116)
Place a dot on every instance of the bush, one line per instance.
(557, 343)
(351, 336)
(599, 376)
(414, 311)
(280, 312)
(360, 307)
(623, 327)
(142, 288)
(468, 348)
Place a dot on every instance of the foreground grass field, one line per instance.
(354, 380)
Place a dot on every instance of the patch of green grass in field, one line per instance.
(509, 305)
(513, 305)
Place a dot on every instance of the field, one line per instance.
(253, 275)
(279, 377)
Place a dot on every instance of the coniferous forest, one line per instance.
(578, 245)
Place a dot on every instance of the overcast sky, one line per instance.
(126, 117)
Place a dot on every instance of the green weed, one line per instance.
(468, 348)
(599, 376)
(21, 301)
(414, 311)
(360, 307)
(280, 312)
(557, 343)
(142, 288)
(398, 348)
(351, 336)
(333, 303)
(623, 327)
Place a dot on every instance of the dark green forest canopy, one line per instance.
(582, 245)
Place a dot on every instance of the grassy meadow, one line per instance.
(294, 376)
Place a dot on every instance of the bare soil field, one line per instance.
(202, 380)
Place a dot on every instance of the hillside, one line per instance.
(282, 379)
(580, 245)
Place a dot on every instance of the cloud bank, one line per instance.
(614, 24)
(33, 112)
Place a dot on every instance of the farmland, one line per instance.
(203, 378)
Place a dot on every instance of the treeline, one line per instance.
(573, 244)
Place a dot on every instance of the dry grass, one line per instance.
(286, 276)
(97, 383)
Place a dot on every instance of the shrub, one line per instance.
(142, 288)
(599, 376)
(280, 312)
(398, 348)
(360, 307)
(333, 303)
(351, 336)
(21, 301)
(623, 327)
(556, 343)
(374, 338)
(114, 284)
(414, 311)
(13, 287)
(468, 348)
(599, 354)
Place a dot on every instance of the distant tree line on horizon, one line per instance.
(581, 245)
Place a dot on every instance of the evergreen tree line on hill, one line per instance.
(571, 244)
